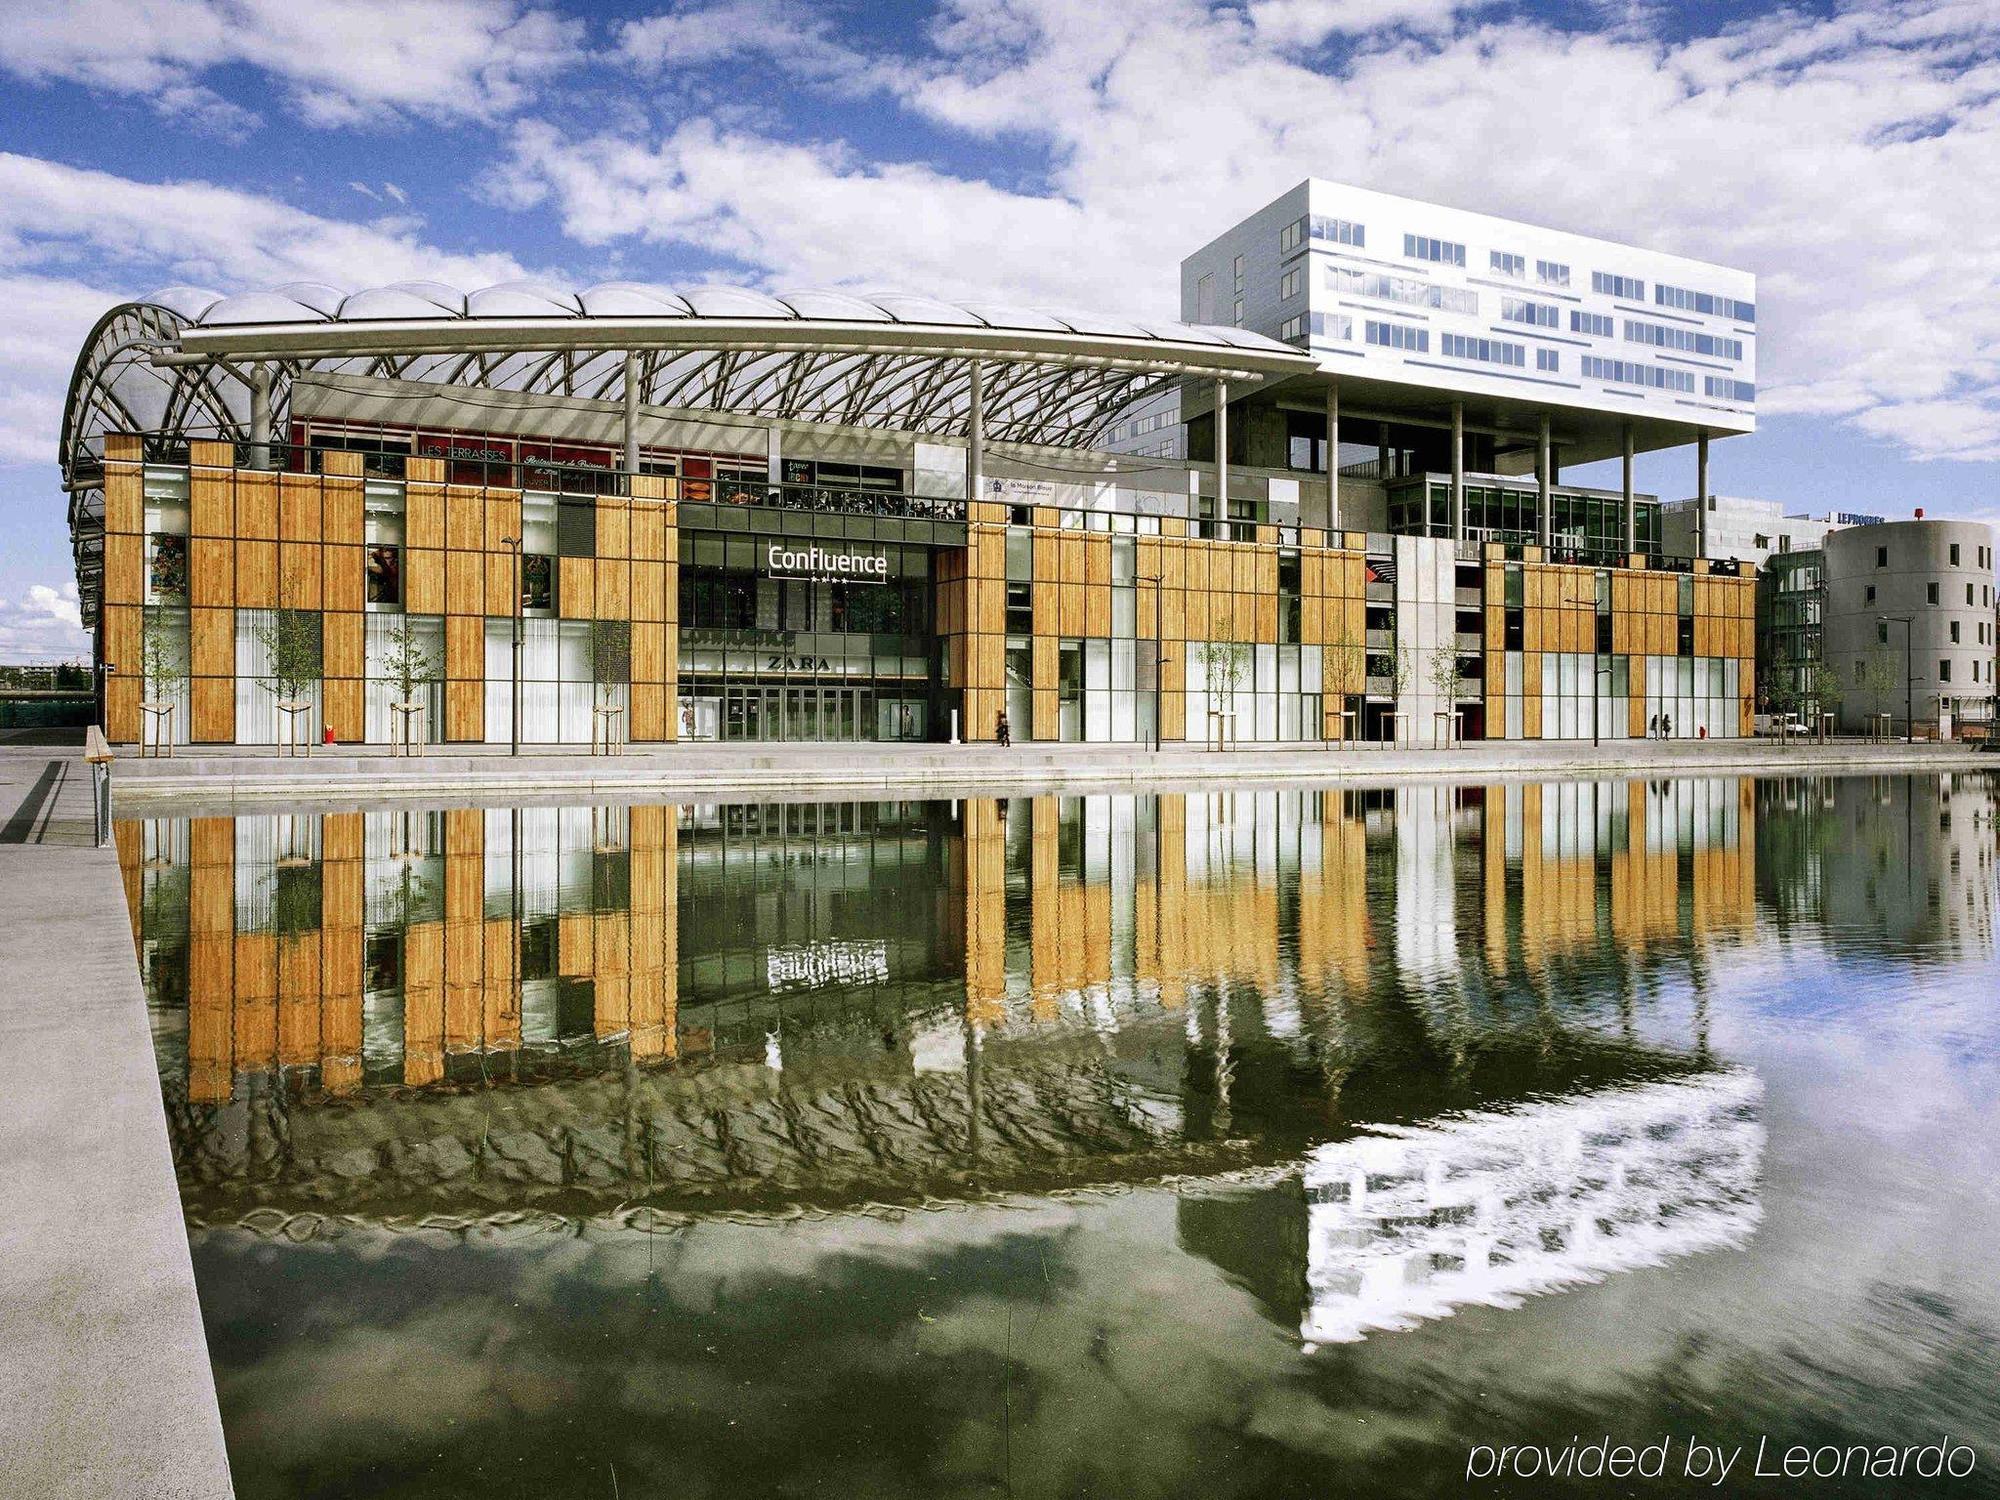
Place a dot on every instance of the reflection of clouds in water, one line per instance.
(1406, 1224)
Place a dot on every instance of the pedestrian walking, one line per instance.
(1001, 730)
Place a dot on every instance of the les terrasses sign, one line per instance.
(784, 561)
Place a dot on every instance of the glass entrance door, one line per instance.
(807, 713)
(837, 713)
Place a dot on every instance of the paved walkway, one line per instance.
(105, 1385)
(710, 771)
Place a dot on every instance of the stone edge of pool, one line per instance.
(107, 1388)
(708, 774)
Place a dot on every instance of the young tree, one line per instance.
(163, 660)
(1226, 662)
(1824, 689)
(290, 639)
(408, 665)
(1776, 692)
(1445, 674)
(1882, 677)
(1344, 667)
(610, 650)
(610, 656)
(163, 656)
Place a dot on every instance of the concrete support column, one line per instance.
(1458, 471)
(1701, 494)
(631, 412)
(1545, 512)
(774, 458)
(1222, 455)
(1382, 452)
(1631, 508)
(1333, 453)
(975, 432)
(260, 416)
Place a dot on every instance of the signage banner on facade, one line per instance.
(787, 560)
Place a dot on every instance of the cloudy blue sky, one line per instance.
(1056, 150)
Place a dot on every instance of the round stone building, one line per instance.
(1910, 620)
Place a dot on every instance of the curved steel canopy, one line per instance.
(180, 361)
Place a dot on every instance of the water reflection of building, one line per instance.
(1404, 1225)
(388, 947)
(1573, 866)
(1401, 1224)
(1910, 860)
(863, 999)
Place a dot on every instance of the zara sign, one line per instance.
(784, 561)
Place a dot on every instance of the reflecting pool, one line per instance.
(1242, 1143)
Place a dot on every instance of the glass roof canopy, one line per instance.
(180, 361)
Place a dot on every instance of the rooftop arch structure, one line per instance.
(184, 361)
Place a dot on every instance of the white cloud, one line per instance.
(800, 213)
(47, 321)
(44, 626)
(74, 243)
(340, 62)
(1844, 158)
(1307, 23)
(52, 215)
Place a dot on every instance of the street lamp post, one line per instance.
(1159, 661)
(1909, 673)
(520, 590)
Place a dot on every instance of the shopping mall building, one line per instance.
(1328, 505)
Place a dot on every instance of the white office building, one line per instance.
(1752, 531)
(1429, 320)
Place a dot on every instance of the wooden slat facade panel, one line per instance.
(346, 579)
(299, 575)
(298, 507)
(341, 512)
(423, 581)
(576, 593)
(423, 516)
(211, 572)
(500, 584)
(124, 499)
(257, 574)
(212, 705)
(464, 520)
(465, 712)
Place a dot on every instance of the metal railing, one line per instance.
(841, 500)
(485, 467)
(542, 476)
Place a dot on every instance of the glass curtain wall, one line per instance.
(1696, 694)
(1107, 687)
(775, 658)
(568, 673)
(1253, 692)
(1583, 522)
(393, 642)
(259, 719)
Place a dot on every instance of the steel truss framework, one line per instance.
(182, 363)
